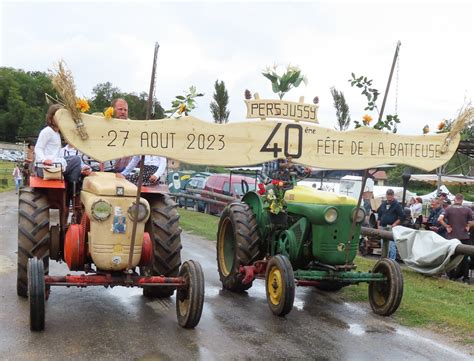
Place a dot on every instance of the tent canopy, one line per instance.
(449, 180)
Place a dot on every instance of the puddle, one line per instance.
(160, 306)
(410, 334)
(356, 329)
(298, 304)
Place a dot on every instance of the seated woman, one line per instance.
(48, 149)
(153, 168)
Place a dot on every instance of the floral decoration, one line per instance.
(82, 105)
(274, 197)
(442, 125)
(109, 113)
(426, 129)
(366, 119)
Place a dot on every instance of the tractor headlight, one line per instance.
(358, 215)
(330, 215)
(101, 210)
(142, 211)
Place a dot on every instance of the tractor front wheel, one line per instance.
(385, 297)
(280, 285)
(36, 294)
(237, 245)
(33, 234)
(190, 300)
(163, 227)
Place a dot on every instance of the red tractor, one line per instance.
(96, 236)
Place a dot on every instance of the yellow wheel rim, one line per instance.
(221, 243)
(275, 286)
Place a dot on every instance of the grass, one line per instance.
(199, 224)
(429, 302)
(6, 169)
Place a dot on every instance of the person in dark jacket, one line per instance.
(390, 214)
(436, 211)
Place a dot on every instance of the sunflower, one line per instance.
(82, 105)
(182, 108)
(366, 119)
(109, 113)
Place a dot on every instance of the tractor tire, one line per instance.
(190, 300)
(385, 297)
(164, 230)
(329, 286)
(237, 245)
(36, 294)
(33, 234)
(280, 285)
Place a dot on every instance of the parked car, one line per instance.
(196, 182)
(228, 184)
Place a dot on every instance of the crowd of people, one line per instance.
(449, 220)
(50, 152)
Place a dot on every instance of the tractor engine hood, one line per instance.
(303, 194)
(108, 184)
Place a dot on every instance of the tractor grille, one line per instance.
(110, 249)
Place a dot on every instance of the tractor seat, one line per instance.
(38, 182)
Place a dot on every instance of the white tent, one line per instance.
(428, 197)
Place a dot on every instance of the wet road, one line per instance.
(119, 324)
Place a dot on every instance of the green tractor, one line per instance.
(312, 242)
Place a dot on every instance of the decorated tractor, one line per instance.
(103, 241)
(312, 241)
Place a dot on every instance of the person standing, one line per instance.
(390, 214)
(436, 211)
(17, 178)
(457, 220)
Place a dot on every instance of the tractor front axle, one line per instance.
(114, 280)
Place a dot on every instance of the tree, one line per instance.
(219, 105)
(22, 102)
(342, 109)
(103, 93)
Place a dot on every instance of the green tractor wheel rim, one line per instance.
(226, 247)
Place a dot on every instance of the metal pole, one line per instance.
(389, 80)
(353, 224)
(142, 161)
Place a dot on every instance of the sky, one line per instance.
(201, 42)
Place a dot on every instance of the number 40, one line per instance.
(275, 149)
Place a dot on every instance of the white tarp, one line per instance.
(425, 251)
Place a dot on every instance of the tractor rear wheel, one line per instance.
(237, 245)
(33, 234)
(280, 285)
(190, 300)
(36, 294)
(385, 297)
(164, 230)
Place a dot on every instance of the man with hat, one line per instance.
(390, 214)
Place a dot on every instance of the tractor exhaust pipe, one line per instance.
(462, 249)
